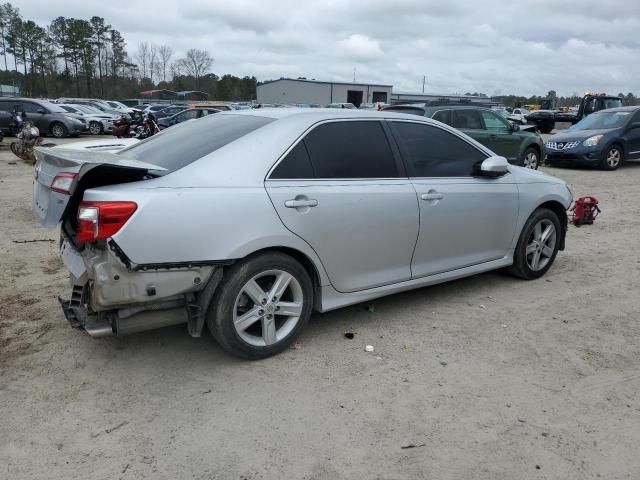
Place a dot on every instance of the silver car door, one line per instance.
(464, 220)
(341, 191)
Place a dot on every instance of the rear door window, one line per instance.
(352, 149)
(430, 151)
(183, 144)
(467, 119)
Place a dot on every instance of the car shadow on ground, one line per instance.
(175, 342)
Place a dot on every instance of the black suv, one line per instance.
(50, 118)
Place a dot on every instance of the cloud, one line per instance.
(563, 45)
(360, 47)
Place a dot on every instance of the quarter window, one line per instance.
(295, 165)
(352, 149)
(468, 119)
(433, 152)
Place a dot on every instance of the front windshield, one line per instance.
(602, 120)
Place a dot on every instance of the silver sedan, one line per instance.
(247, 221)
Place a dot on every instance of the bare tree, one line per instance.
(195, 63)
(142, 57)
(153, 60)
(165, 52)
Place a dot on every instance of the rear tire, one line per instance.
(245, 319)
(537, 246)
(58, 130)
(612, 158)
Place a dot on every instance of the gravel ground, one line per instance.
(483, 378)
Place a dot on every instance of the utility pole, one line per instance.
(424, 79)
(354, 74)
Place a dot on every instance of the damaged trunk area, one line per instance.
(110, 295)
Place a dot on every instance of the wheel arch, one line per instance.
(308, 264)
(557, 208)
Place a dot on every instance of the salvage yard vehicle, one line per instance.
(519, 115)
(545, 120)
(49, 118)
(185, 116)
(520, 147)
(248, 220)
(604, 139)
(99, 122)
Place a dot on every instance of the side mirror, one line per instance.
(41, 110)
(635, 125)
(494, 167)
(515, 127)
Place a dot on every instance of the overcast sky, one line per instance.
(496, 47)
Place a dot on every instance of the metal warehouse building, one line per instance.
(300, 90)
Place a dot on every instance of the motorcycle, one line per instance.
(146, 128)
(27, 138)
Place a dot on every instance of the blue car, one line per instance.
(603, 139)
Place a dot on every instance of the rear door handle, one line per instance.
(310, 202)
(493, 136)
(432, 196)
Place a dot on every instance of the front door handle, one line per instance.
(432, 196)
(493, 136)
(309, 202)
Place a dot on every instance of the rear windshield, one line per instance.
(185, 143)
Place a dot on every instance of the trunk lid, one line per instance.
(49, 205)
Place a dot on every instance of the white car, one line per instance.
(99, 122)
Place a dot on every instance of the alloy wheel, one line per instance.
(530, 160)
(541, 245)
(95, 128)
(268, 308)
(613, 158)
(57, 130)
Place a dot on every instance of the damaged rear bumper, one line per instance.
(110, 296)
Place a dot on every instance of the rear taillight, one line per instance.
(101, 220)
(62, 182)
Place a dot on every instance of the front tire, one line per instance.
(58, 130)
(612, 158)
(537, 246)
(96, 128)
(261, 306)
(531, 158)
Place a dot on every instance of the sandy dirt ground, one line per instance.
(484, 378)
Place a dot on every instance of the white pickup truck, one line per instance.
(519, 115)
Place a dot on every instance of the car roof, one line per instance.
(313, 115)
